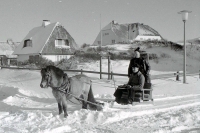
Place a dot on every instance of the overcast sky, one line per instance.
(81, 18)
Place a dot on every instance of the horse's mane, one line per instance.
(57, 71)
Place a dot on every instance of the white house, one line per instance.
(125, 33)
(50, 40)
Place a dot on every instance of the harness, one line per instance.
(65, 88)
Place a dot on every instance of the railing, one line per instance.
(161, 76)
(81, 71)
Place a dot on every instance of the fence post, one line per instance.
(109, 67)
(100, 67)
(177, 76)
(81, 71)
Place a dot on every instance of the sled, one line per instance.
(141, 97)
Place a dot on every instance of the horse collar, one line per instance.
(65, 87)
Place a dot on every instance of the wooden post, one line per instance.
(100, 67)
(109, 67)
(177, 76)
(81, 71)
(8, 61)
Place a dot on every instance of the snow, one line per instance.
(27, 108)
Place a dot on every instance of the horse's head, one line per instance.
(51, 77)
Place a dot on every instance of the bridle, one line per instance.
(48, 73)
(65, 86)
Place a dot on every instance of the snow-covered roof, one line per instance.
(39, 36)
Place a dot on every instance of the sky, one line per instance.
(82, 20)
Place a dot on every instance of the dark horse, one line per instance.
(65, 88)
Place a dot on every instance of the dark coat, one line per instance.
(136, 81)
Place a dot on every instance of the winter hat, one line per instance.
(136, 65)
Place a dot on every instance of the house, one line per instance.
(141, 32)
(125, 33)
(6, 50)
(50, 40)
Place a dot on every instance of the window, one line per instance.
(62, 43)
(106, 34)
(27, 43)
(113, 41)
(99, 42)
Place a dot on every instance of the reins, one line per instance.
(65, 88)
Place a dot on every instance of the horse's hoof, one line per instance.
(65, 115)
(60, 113)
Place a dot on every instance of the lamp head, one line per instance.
(184, 14)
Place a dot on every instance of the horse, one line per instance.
(65, 88)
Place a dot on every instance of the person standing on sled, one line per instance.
(144, 66)
(136, 82)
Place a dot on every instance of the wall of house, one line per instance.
(113, 31)
(53, 58)
(133, 31)
(56, 58)
(107, 37)
(58, 33)
(143, 38)
(22, 58)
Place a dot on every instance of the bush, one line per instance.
(153, 56)
(88, 56)
(85, 45)
(164, 55)
(120, 56)
(65, 64)
(43, 62)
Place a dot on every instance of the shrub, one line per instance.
(164, 55)
(120, 56)
(88, 56)
(153, 56)
(85, 45)
(43, 62)
(65, 64)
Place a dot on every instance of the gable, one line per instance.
(59, 33)
(38, 36)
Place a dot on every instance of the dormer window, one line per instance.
(27, 43)
(62, 43)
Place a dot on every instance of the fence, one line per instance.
(161, 76)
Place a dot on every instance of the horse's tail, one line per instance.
(92, 99)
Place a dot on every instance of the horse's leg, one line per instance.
(64, 104)
(84, 104)
(58, 99)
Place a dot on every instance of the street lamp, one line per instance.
(184, 18)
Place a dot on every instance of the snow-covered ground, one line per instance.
(26, 108)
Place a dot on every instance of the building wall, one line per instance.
(143, 38)
(53, 58)
(108, 36)
(58, 33)
(56, 58)
(133, 31)
(22, 58)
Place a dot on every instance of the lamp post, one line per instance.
(184, 14)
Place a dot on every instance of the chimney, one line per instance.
(45, 23)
